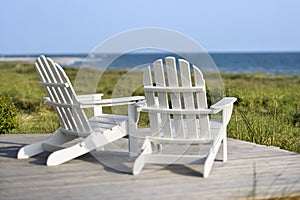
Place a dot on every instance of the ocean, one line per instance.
(269, 63)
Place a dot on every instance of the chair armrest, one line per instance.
(141, 104)
(112, 102)
(226, 106)
(223, 103)
(89, 97)
(92, 97)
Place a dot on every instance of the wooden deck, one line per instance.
(252, 172)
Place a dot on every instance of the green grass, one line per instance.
(267, 111)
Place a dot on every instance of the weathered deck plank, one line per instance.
(252, 171)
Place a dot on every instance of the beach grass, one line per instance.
(267, 111)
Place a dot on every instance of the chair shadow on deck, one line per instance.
(184, 170)
(40, 159)
(119, 160)
(10, 151)
(95, 157)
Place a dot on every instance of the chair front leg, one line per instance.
(225, 146)
(133, 117)
(141, 160)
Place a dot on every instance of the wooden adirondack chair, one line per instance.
(179, 115)
(95, 132)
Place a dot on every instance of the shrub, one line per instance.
(8, 114)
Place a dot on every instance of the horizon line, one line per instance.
(85, 54)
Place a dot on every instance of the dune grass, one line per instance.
(267, 111)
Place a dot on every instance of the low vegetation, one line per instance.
(267, 111)
(8, 114)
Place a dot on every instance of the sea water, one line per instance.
(269, 63)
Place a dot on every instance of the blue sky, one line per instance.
(77, 26)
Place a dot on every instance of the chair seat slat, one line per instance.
(109, 120)
(159, 140)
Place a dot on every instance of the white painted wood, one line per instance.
(159, 140)
(140, 161)
(151, 103)
(33, 149)
(44, 77)
(92, 98)
(187, 119)
(174, 89)
(96, 132)
(201, 104)
(133, 117)
(179, 111)
(225, 146)
(188, 98)
(162, 98)
(111, 102)
(213, 152)
(92, 142)
(175, 96)
(66, 154)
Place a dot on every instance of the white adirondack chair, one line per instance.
(95, 132)
(186, 121)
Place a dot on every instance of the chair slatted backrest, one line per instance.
(174, 88)
(62, 96)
